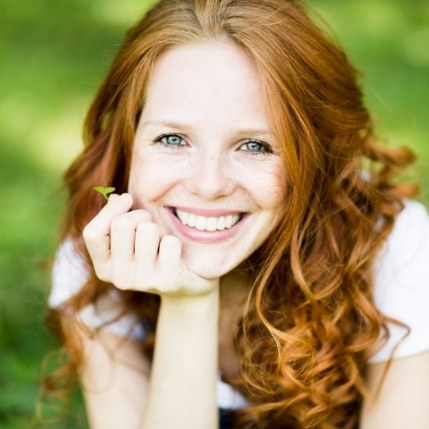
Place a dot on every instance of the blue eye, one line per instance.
(255, 147)
(170, 140)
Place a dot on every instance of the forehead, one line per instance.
(209, 81)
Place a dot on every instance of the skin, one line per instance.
(211, 97)
(203, 145)
(225, 159)
(214, 98)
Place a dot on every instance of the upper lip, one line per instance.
(207, 212)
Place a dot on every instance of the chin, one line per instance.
(209, 267)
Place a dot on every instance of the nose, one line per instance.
(210, 176)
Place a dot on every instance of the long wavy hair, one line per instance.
(309, 321)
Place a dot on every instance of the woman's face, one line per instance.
(205, 163)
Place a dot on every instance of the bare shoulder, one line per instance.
(402, 400)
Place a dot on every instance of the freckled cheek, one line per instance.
(270, 196)
(266, 185)
(150, 180)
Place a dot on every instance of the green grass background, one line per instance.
(53, 55)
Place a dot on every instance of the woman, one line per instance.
(257, 257)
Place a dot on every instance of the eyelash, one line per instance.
(162, 136)
(265, 146)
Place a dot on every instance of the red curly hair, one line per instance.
(310, 318)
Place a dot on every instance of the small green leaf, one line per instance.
(105, 191)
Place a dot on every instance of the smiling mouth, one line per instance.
(206, 223)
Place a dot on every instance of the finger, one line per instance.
(121, 240)
(96, 233)
(137, 216)
(123, 230)
(146, 251)
(169, 260)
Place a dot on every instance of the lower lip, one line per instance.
(208, 237)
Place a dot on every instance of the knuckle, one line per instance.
(119, 286)
(121, 283)
(120, 223)
(148, 227)
(151, 289)
(146, 285)
(102, 274)
(124, 277)
(89, 233)
(144, 215)
(172, 288)
(153, 284)
(141, 281)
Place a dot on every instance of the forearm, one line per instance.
(183, 377)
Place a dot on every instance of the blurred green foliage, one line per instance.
(53, 56)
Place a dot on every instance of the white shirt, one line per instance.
(401, 291)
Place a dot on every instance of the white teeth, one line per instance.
(211, 224)
(185, 218)
(192, 220)
(221, 224)
(203, 223)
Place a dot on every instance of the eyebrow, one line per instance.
(183, 126)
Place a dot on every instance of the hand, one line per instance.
(128, 250)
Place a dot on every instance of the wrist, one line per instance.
(209, 295)
(191, 302)
(192, 312)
